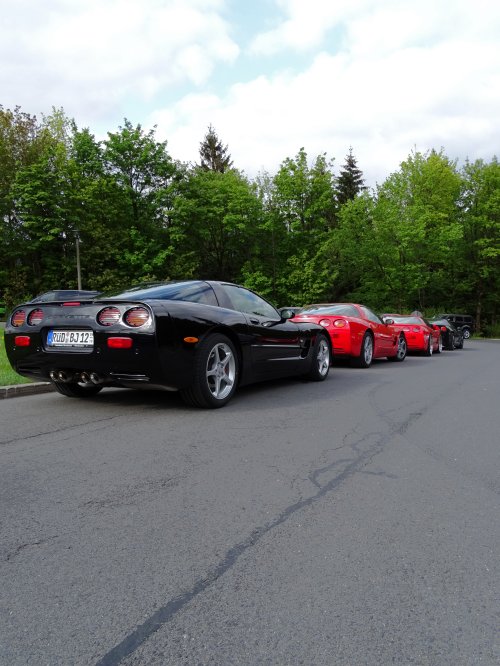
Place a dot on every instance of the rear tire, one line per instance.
(321, 359)
(364, 360)
(74, 390)
(216, 373)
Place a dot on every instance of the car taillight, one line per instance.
(443, 328)
(324, 322)
(108, 316)
(35, 317)
(18, 318)
(120, 343)
(340, 323)
(22, 340)
(136, 317)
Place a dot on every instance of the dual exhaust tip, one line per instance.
(83, 377)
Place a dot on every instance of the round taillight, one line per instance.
(324, 322)
(136, 317)
(108, 316)
(18, 318)
(443, 328)
(35, 317)
(340, 323)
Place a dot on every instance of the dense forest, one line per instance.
(427, 238)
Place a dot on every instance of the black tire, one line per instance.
(440, 346)
(452, 345)
(460, 344)
(364, 360)
(74, 390)
(466, 333)
(216, 373)
(402, 350)
(320, 360)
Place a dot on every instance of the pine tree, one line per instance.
(214, 156)
(350, 181)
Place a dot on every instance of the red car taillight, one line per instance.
(18, 318)
(35, 317)
(136, 317)
(120, 343)
(108, 316)
(22, 340)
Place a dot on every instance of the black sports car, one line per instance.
(203, 338)
(451, 336)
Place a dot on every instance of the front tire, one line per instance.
(215, 374)
(402, 350)
(466, 333)
(321, 360)
(75, 390)
(429, 350)
(364, 360)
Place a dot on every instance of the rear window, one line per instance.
(194, 292)
(407, 320)
(341, 309)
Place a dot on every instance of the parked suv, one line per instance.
(465, 322)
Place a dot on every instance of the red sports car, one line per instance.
(356, 332)
(420, 335)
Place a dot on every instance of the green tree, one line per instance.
(213, 228)
(350, 182)
(22, 140)
(417, 231)
(479, 270)
(214, 155)
(147, 178)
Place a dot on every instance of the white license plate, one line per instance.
(80, 339)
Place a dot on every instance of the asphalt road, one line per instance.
(353, 522)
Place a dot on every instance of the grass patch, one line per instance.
(7, 375)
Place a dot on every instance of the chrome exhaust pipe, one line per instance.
(95, 378)
(62, 376)
(53, 375)
(85, 378)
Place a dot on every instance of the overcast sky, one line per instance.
(383, 76)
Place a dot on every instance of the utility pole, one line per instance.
(78, 273)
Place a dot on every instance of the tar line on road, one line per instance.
(164, 614)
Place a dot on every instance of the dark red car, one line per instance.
(356, 332)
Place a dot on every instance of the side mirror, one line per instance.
(286, 313)
(388, 321)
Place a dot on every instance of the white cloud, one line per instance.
(382, 76)
(88, 55)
